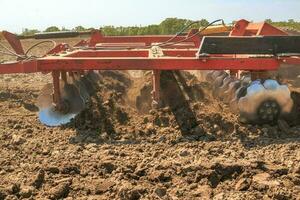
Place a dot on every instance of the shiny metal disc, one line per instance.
(240, 92)
(265, 101)
(225, 86)
(218, 83)
(49, 115)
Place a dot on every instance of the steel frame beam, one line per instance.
(53, 63)
(108, 60)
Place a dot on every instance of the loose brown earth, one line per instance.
(112, 151)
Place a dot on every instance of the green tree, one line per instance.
(64, 29)
(109, 30)
(269, 21)
(290, 24)
(203, 22)
(28, 32)
(79, 28)
(173, 25)
(52, 29)
(168, 26)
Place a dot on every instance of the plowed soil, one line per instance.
(195, 150)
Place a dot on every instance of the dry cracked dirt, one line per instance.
(113, 151)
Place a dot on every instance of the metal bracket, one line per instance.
(156, 52)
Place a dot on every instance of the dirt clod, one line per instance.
(60, 191)
(26, 192)
(161, 192)
(243, 184)
(39, 179)
(129, 193)
(17, 140)
(3, 193)
(104, 186)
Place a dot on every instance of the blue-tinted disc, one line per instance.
(50, 117)
(271, 84)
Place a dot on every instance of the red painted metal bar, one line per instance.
(71, 64)
(19, 67)
(48, 64)
(138, 53)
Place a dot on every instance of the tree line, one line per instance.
(168, 26)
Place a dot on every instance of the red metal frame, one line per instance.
(52, 63)
(245, 28)
(14, 42)
(103, 53)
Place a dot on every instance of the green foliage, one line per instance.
(52, 29)
(168, 26)
(79, 28)
(64, 29)
(291, 24)
(268, 21)
(28, 32)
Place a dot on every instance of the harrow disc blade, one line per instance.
(71, 98)
(246, 80)
(225, 87)
(265, 102)
(248, 105)
(51, 117)
(217, 84)
(255, 101)
(212, 75)
(240, 92)
(229, 94)
(209, 75)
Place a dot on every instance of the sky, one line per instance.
(15, 15)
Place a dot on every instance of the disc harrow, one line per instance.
(259, 101)
(237, 57)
